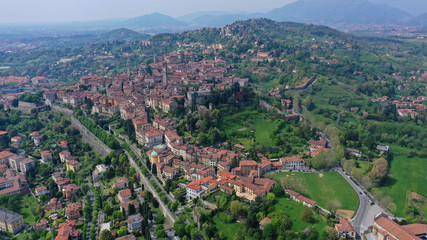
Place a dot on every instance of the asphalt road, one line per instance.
(366, 212)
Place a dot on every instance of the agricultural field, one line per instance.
(403, 180)
(328, 189)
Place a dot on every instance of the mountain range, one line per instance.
(325, 12)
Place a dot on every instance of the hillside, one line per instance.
(154, 20)
(420, 20)
(123, 34)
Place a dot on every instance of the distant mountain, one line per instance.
(419, 20)
(221, 20)
(123, 34)
(192, 16)
(414, 7)
(332, 12)
(154, 20)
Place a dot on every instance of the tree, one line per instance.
(269, 231)
(278, 191)
(235, 207)
(106, 235)
(380, 169)
(154, 169)
(307, 215)
(132, 209)
(271, 196)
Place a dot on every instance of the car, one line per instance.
(360, 193)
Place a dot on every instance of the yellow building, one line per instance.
(11, 221)
(72, 165)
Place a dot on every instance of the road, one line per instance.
(137, 153)
(366, 213)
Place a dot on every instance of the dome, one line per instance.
(154, 153)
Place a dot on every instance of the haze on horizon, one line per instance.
(56, 11)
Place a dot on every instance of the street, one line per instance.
(366, 212)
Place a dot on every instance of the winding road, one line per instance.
(366, 213)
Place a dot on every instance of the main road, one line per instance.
(366, 213)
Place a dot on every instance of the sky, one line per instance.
(43, 11)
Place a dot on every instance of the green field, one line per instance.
(406, 175)
(294, 211)
(246, 121)
(332, 187)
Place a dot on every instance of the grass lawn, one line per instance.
(331, 187)
(249, 120)
(28, 202)
(228, 229)
(406, 175)
(294, 211)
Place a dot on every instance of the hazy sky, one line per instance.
(35, 11)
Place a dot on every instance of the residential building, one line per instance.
(246, 166)
(124, 195)
(53, 204)
(64, 155)
(41, 225)
(73, 210)
(70, 190)
(300, 198)
(293, 163)
(41, 191)
(97, 173)
(264, 222)
(13, 184)
(345, 230)
(134, 222)
(385, 228)
(354, 152)
(14, 162)
(153, 137)
(198, 188)
(125, 205)
(4, 157)
(72, 165)
(10, 221)
(121, 183)
(26, 165)
(46, 156)
(67, 231)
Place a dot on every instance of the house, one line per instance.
(124, 206)
(14, 162)
(321, 143)
(72, 165)
(53, 204)
(124, 195)
(64, 155)
(73, 210)
(385, 228)
(37, 140)
(64, 145)
(250, 188)
(70, 190)
(264, 222)
(121, 183)
(26, 165)
(97, 173)
(153, 137)
(67, 231)
(4, 157)
(41, 191)
(407, 112)
(354, 152)
(300, 198)
(62, 182)
(198, 188)
(17, 139)
(246, 166)
(134, 222)
(13, 184)
(345, 230)
(41, 225)
(382, 148)
(10, 221)
(293, 163)
(46, 156)
(127, 237)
